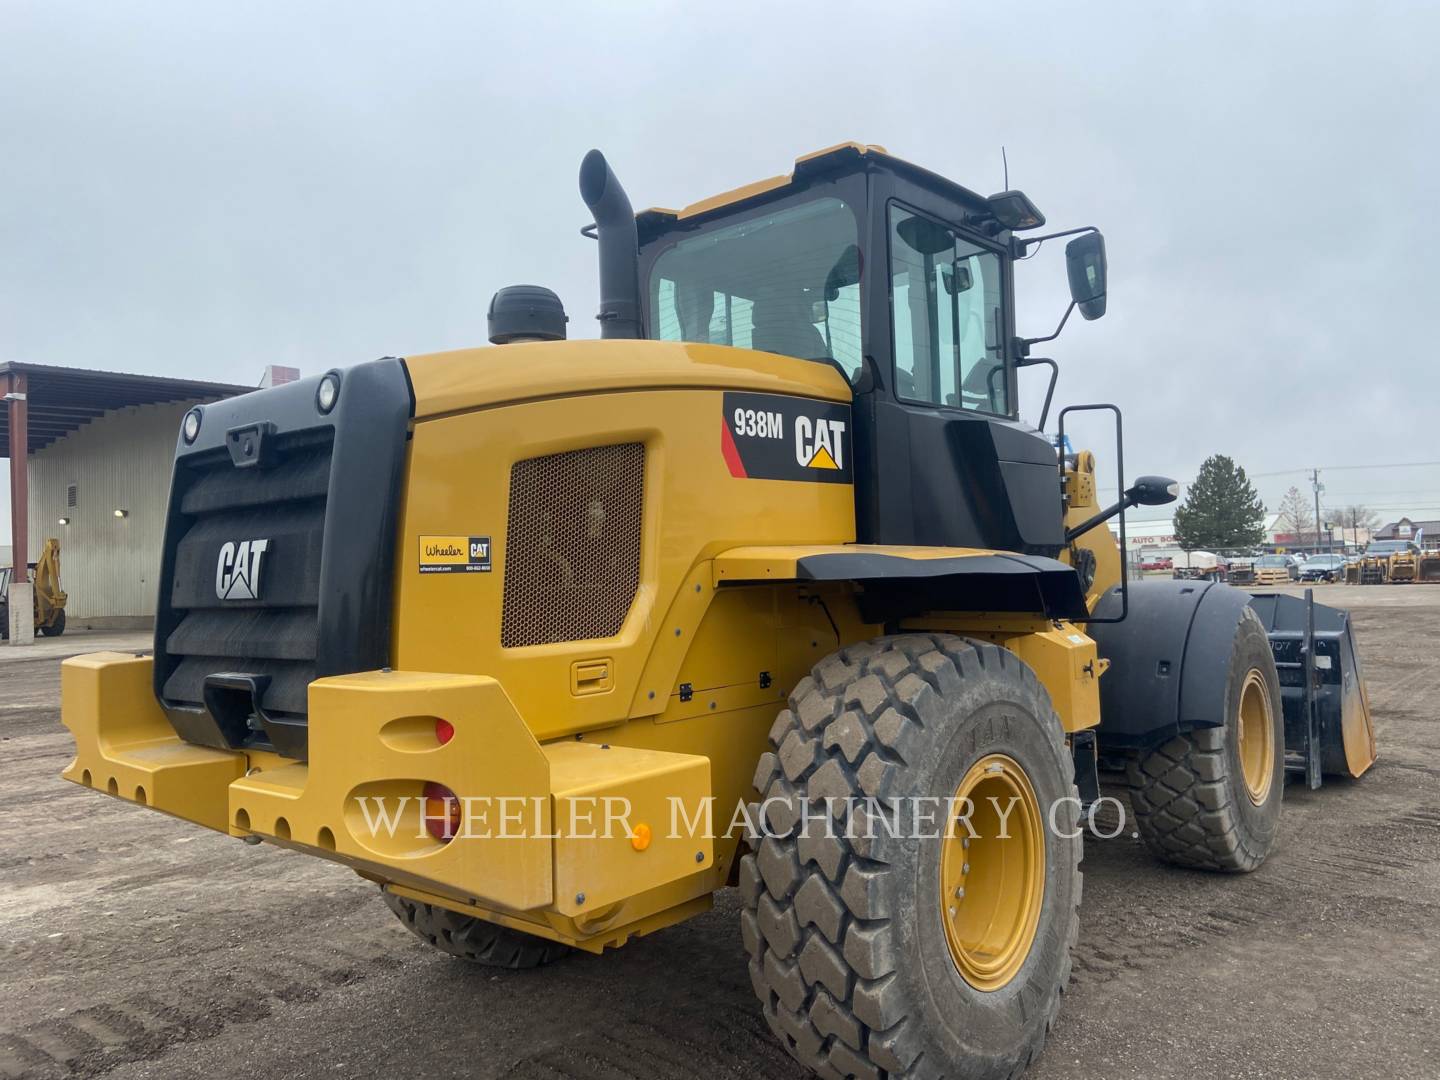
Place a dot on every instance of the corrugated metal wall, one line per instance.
(108, 565)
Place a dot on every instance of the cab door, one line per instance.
(950, 463)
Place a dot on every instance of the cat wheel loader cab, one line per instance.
(770, 586)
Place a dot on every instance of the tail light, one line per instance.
(443, 812)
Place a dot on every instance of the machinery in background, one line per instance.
(1428, 567)
(1387, 561)
(49, 600)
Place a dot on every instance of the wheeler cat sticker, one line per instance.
(454, 554)
(776, 437)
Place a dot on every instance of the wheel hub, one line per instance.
(992, 883)
(1257, 737)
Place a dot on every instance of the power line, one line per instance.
(1335, 468)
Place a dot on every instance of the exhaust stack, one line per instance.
(619, 248)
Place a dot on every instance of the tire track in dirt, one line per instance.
(197, 1005)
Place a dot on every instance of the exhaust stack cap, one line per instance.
(526, 313)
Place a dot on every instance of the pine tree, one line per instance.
(1222, 510)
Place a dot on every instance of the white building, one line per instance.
(1156, 538)
(95, 474)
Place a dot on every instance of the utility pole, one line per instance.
(1319, 487)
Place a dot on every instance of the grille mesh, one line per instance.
(572, 546)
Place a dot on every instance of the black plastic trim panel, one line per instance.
(897, 587)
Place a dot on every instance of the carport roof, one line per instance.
(61, 399)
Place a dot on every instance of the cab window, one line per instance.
(947, 314)
(784, 281)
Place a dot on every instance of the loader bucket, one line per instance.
(1429, 569)
(1328, 730)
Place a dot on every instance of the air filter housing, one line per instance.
(526, 313)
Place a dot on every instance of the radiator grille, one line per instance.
(276, 634)
(572, 546)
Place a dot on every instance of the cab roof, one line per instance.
(846, 157)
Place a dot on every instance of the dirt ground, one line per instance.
(134, 945)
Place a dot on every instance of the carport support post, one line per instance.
(21, 628)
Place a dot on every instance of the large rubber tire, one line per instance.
(473, 939)
(56, 628)
(848, 951)
(1191, 803)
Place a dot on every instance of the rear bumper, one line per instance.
(536, 842)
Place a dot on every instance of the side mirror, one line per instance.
(1149, 490)
(1085, 264)
(956, 278)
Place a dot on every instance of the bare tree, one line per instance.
(1353, 520)
(1295, 515)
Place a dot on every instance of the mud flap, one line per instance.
(1328, 730)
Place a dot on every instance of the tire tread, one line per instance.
(850, 731)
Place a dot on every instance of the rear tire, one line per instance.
(850, 928)
(472, 939)
(1210, 798)
(56, 628)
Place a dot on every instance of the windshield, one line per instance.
(786, 281)
(1275, 560)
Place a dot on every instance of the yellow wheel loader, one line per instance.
(769, 587)
(47, 599)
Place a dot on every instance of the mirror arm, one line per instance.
(1025, 243)
(1127, 500)
(1025, 343)
(1031, 361)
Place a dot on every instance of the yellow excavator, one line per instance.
(771, 587)
(49, 601)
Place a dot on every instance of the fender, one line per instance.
(1167, 658)
(901, 581)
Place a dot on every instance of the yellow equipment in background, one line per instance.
(49, 601)
(1390, 561)
(1429, 565)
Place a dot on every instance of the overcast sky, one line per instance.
(200, 189)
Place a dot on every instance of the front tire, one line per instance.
(865, 954)
(472, 939)
(1210, 798)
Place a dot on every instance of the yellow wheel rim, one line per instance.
(992, 882)
(1257, 737)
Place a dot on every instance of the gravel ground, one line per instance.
(133, 945)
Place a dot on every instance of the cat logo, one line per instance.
(820, 444)
(237, 570)
(779, 437)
